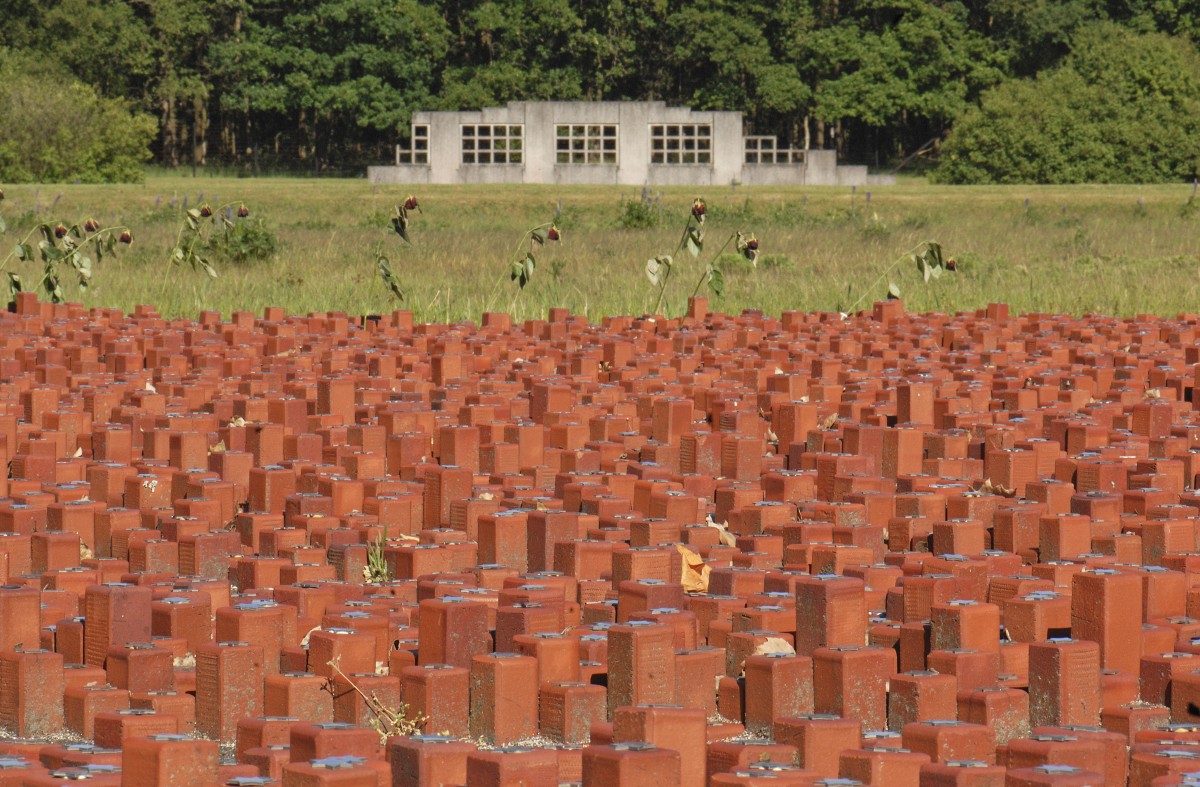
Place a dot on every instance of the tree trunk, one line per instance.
(229, 141)
(302, 127)
(170, 133)
(200, 131)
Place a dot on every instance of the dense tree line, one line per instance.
(330, 85)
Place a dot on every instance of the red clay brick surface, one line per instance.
(890, 548)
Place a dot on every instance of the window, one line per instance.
(492, 144)
(675, 143)
(418, 152)
(760, 150)
(766, 150)
(586, 144)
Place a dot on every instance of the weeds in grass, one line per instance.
(61, 248)
(245, 242)
(198, 235)
(737, 213)
(789, 213)
(1081, 243)
(711, 274)
(714, 275)
(390, 279)
(658, 269)
(1033, 214)
(874, 227)
(642, 213)
(1192, 206)
(738, 265)
(400, 219)
(775, 261)
(319, 265)
(926, 255)
(522, 266)
(383, 264)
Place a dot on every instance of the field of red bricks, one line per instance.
(889, 549)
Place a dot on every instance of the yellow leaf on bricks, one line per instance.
(774, 645)
(695, 571)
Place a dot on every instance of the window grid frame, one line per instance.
(681, 144)
(483, 149)
(417, 151)
(764, 149)
(588, 144)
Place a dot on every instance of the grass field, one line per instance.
(1116, 250)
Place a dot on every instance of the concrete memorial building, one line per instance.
(606, 142)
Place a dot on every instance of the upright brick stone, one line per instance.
(32, 684)
(229, 687)
(641, 664)
(1064, 682)
(1106, 608)
(116, 613)
(831, 611)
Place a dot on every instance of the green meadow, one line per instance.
(1117, 250)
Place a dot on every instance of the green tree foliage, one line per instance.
(1124, 107)
(337, 71)
(180, 89)
(621, 50)
(514, 49)
(104, 44)
(898, 62)
(1037, 34)
(55, 128)
(331, 85)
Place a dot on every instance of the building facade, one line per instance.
(606, 142)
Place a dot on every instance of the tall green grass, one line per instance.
(1117, 250)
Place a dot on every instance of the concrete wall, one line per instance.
(634, 150)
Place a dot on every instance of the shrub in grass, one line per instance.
(641, 214)
(245, 242)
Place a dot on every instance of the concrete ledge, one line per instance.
(411, 173)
